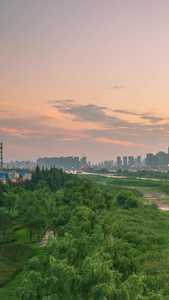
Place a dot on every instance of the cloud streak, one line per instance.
(113, 87)
(7, 112)
(144, 116)
(121, 143)
(91, 113)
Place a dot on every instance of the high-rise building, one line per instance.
(76, 162)
(125, 161)
(83, 161)
(161, 159)
(108, 163)
(138, 161)
(119, 161)
(67, 163)
(151, 160)
(131, 161)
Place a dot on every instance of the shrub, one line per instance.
(127, 199)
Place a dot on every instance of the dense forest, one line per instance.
(106, 244)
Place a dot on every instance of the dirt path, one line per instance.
(45, 238)
(155, 198)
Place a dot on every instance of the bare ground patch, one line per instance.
(154, 197)
(45, 238)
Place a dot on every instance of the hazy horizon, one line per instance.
(84, 78)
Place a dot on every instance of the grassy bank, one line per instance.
(159, 186)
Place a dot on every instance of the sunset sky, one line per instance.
(84, 78)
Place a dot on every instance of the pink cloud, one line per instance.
(76, 134)
(19, 132)
(9, 129)
(121, 143)
(13, 132)
(69, 139)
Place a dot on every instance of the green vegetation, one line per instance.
(12, 260)
(127, 199)
(107, 244)
(161, 186)
(11, 286)
(133, 174)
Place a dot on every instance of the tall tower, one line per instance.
(1, 156)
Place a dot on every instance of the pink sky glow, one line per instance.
(84, 78)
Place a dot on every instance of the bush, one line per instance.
(131, 201)
(127, 199)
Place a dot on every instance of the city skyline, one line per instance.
(150, 160)
(84, 78)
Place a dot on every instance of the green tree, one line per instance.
(32, 209)
(10, 200)
(3, 190)
(127, 199)
(5, 220)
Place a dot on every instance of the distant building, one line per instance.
(131, 161)
(83, 161)
(125, 161)
(138, 161)
(76, 162)
(161, 159)
(119, 161)
(20, 165)
(67, 163)
(108, 164)
(151, 160)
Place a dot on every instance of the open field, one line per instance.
(150, 191)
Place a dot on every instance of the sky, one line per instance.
(84, 78)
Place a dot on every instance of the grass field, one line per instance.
(10, 286)
(12, 260)
(13, 257)
(139, 184)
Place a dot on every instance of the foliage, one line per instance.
(162, 186)
(55, 179)
(3, 189)
(5, 220)
(12, 260)
(101, 250)
(81, 260)
(10, 232)
(32, 208)
(129, 173)
(10, 201)
(127, 199)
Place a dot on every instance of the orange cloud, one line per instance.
(19, 132)
(121, 143)
(18, 105)
(14, 132)
(76, 134)
(52, 114)
(69, 139)
(9, 129)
